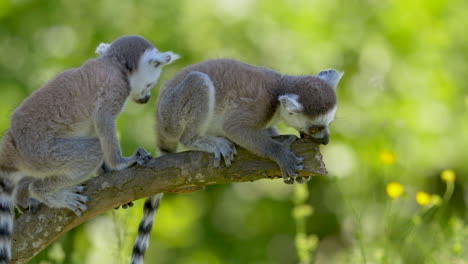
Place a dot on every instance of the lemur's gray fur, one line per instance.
(65, 130)
(213, 104)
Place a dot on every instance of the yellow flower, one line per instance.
(394, 189)
(423, 198)
(447, 175)
(387, 157)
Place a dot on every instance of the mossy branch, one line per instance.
(179, 172)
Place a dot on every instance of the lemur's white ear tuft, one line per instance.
(170, 57)
(102, 48)
(290, 103)
(163, 58)
(332, 77)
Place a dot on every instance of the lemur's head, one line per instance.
(142, 60)
(309, 104)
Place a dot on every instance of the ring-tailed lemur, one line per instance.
(66, 129)
(213, 104)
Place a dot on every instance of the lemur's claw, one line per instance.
(289, 181)
(302, 180)
(125, 206)
(142, 156)
(33, 205)
(104, 168)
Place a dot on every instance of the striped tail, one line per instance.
(144, 230)
(6, 220)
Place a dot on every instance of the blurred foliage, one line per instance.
(402, 118)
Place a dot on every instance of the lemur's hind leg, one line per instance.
(23, 200)
(165, 144)
(71, 160)
(193, 106)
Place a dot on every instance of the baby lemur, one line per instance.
(65, 130)
(213, 104)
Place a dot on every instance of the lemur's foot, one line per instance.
(223, 148)
(104, 168)
(68, 198)
(302, 180)
(125, 206)
(33, 205)
(142, 156)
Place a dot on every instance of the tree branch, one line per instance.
(179, 172)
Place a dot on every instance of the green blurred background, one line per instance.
(402, 118)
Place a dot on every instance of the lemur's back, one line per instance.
(232, 79)
(66, 100)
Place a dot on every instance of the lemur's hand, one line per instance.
(142, 156)
(288, 161)
(125, 206)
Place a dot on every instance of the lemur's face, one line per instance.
(316, 128)
(147, 74)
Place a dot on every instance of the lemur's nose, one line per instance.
(325, 141)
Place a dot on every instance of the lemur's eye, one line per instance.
(156, 64)
(314, 130)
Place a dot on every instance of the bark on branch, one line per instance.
(179, 172)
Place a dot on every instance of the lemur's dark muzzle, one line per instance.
(323, 140)
(143, 100)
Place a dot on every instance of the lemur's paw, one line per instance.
(33, 205)
(289, 140)
(69, 198)
(302, 180)
(142, 156)
(77, 188)
(125, 206)
(226, 149)
(104, 168)
(288, 180)
(77, 203)
(289, 162)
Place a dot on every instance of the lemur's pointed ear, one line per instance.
(171, 57)
(102, 48)
(163, 58)
(332, 77)
(290, 103)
